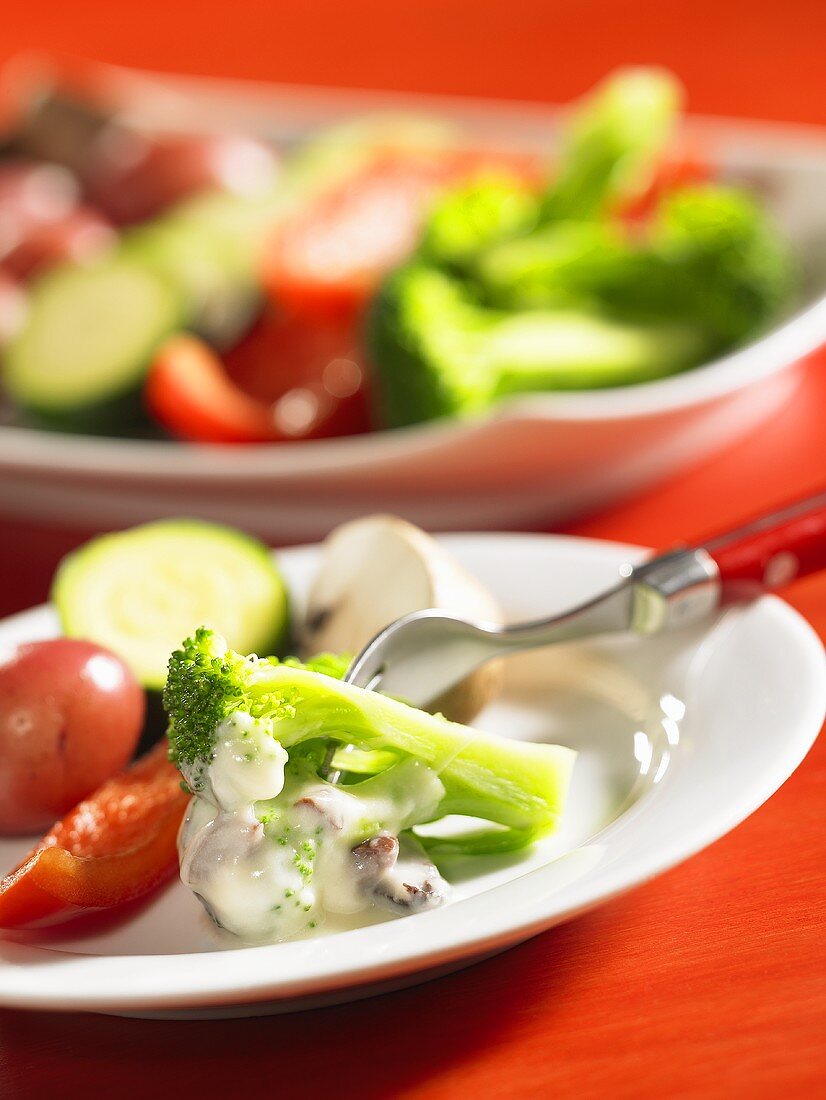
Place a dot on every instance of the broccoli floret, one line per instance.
(710, 259)
(729, 271)
(470, 218)
(611, 143)
(439, 353)
(421, 331)
(503, 298)
(207, 681)
(517, 785)
(204, 681)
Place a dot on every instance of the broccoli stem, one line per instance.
(612, 142)
(520, 785)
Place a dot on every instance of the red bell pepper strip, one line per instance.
(115, 846)
(189, 392)
(285, 381)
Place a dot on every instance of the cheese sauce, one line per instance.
(270, 853)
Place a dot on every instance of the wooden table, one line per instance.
(709, 981)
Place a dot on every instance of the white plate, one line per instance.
(534, 459)
(680, 738)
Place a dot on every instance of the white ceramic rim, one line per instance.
(466, 929)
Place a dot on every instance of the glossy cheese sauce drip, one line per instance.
(270, 852)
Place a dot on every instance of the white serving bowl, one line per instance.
(534, 459)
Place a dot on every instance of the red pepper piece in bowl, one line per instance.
(286, 381)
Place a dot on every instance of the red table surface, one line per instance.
(709, 981)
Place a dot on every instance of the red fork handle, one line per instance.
(772, 551)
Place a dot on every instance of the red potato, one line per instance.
(79, 237)
(135, 177)
(42, 222)
(34, 192)
(70, 717)
(32, 197)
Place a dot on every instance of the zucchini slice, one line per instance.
(141, 592)
(89, 336)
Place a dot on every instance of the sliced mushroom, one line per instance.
(375, 570)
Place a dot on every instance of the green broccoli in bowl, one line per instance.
(437, 352)
(517, 292)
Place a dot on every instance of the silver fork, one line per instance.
(422, 655)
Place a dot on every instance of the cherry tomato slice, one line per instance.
(326, 260)
(115, 846)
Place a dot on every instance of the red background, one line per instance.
(707, 982)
